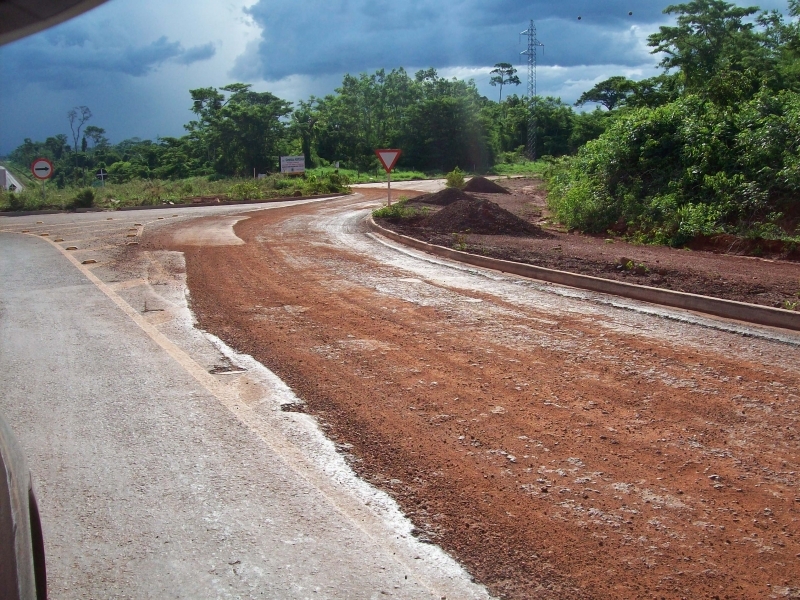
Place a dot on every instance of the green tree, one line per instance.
(503, 74)
(77, 117)
(709, 146)
(610, 93)
(241, 132)
(656, 91)
(712, 45)
(444, 128)
(96, 135)
(304, 120)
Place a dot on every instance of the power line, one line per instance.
(533, 44)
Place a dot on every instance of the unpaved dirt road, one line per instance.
(559, 443)
(164, 464)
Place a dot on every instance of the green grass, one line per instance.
(143, 192)
(399, 210)
(527, 168)
(377, 176)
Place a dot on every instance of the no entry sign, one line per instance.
(388, 158)
(42, 169)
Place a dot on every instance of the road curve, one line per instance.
(560, 443)
(164, 464)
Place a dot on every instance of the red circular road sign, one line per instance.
(42, 169)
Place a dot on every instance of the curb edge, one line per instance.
(719, 307)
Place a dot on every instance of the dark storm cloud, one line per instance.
(198, 53)
(319, 37)
(606, 13)
(73, 55)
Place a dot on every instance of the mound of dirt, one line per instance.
(481, 185)
(478, 216)
(444, 198)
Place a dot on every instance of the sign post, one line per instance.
(388, 158)
(42, 169)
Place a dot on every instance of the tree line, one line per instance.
(439, 123)
(709, 146)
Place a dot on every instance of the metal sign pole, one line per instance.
(44, 196)
(389, 188)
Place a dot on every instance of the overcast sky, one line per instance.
(133, 62)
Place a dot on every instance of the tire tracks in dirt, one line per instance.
(557, 449)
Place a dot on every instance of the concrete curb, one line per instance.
(729, 309)
(226, 202)
(24, 213)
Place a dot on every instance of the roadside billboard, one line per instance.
(293, 164)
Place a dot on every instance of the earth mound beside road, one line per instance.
(444, 198)
(712, 267)
(479, 216)
(481, 185)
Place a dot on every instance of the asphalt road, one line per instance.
(164, 465)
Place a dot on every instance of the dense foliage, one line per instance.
(439, 123)
(710, 146)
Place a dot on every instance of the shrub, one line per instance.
(14, 200)
(398, 210)
(84, 198)
(686, 168)
(455, 178)
(283, 183)
(153, 192)
(246, 190)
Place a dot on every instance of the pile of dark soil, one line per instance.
(475, 215)
(444, 198)
(481, 185)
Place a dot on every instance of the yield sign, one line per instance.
(388, 158)
(42, 169)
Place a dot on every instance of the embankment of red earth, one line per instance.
(715, 268)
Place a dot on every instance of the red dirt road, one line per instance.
(558, 446)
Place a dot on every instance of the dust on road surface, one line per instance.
(219, 232)
(559, 443)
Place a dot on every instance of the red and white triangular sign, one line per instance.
(388, 158)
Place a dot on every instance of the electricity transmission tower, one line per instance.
(533, 44)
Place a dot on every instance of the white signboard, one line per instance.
(293, 164)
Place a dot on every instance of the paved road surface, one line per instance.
(157, 477)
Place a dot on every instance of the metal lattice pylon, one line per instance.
(533, 44)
